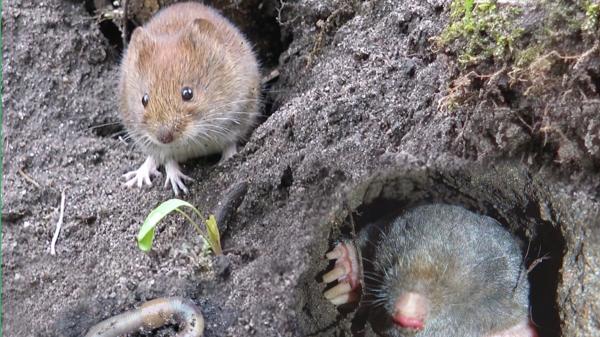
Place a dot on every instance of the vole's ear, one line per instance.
(142, 45)
(199, 29)
(204, 26)
(141, 39)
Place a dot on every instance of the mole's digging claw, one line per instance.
(346, 271)
(337, 273)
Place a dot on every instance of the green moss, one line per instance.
(591, 16)
(489, 37)
(528, 55)
(488, 31)
(481, 30)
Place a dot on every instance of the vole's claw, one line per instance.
(347, 273)
(143, 174)
(175, 177)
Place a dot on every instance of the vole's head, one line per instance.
(173, 86)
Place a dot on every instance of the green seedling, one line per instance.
(146, 235)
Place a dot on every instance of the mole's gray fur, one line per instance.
(467, 265)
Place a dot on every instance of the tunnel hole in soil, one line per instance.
(108, 129)
(257, 19)
(525, 216)
(103, 11)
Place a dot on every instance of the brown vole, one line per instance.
(436, 270)
(189, 87)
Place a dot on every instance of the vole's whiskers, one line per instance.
(118, 133)
(245, 100)
(222, 129)
(97, 126)
(228, 104)
(235, 121)
(213, 133)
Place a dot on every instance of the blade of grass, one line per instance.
(196, 226)
(146, 234)
(213, 234)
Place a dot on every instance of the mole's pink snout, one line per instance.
(410, 311)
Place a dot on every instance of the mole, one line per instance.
(435, 270)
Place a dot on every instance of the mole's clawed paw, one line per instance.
(143, 174)
(346, 271)
(175, 177)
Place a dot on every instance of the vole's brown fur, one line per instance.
(188, 45)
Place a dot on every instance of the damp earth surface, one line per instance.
(377, 105)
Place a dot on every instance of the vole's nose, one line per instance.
(164, 135)
(410, 311)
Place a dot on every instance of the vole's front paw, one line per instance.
(143, 174)
(346, 271)
(175, 177)
(228, 152)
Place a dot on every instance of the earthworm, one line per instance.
(151, 315)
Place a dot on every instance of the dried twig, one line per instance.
(324, 27)
(58, 224)
(460, 85)
(28, 178)
(536, 262)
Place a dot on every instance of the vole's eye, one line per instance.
(187, 93)
(145, 99)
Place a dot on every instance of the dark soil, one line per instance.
(353, 127)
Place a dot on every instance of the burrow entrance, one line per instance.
(257, 19)
(505, 194)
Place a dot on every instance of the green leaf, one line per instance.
(146, 233)
(214, 237)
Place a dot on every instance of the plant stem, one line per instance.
(215, 246)
(193, 222)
